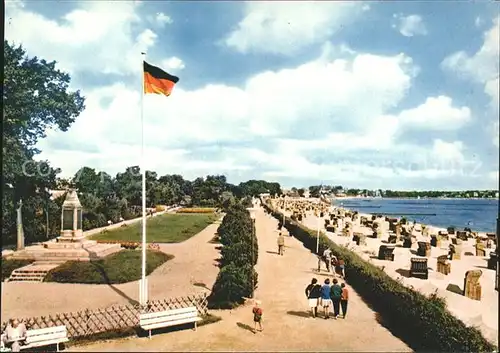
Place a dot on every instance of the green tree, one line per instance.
(35, 98)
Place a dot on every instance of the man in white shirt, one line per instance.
(15, 335)
(327, 257)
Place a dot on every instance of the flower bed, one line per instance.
(124, 244)
(422, 322)
(197, 210)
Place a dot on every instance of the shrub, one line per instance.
(239, 248)
(233, 283)
(121, 267)
(9, 265)
(422, 322)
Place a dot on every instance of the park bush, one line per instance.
(121, 267)
(237, 278)
(422, 322)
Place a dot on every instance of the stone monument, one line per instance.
(20, 231)
(71, 219)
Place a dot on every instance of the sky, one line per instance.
(389, 95)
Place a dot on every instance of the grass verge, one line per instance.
(422, 322)
(167, 228)
(8, 266)
(121, 267)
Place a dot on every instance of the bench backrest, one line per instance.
(168, 315)
(46, 334)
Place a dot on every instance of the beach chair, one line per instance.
(408, 242)
(424, 249)
(456, 241)
(450, 230)
(419, 268)
(392, 238)
(435, 241)
(359, 238)
(443, 265)
(492, 237)
(480, 250)
(493, 261)
(330, 228)
(462, 235)
(386, 252)
(472, 287)
(455, 252)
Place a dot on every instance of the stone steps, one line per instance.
(31, 273)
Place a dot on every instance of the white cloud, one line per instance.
(478, 22)
(483, 66)
(436, 114)
(162, 19)
(173, 63)
(96, 36)
(280, 27)
(337, 103)
(410, 26)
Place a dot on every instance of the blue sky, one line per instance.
(392, 95)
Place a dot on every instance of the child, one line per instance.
(257, 316)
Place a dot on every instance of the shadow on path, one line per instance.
(305, 314)
(244, 326)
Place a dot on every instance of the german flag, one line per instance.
(158, 81)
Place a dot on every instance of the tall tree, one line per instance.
(36, 97)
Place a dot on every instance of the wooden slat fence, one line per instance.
(90, 322)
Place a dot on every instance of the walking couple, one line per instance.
(327, 295)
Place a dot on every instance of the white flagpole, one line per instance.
(143, 286)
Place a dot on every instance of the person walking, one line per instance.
(341, 268)
(327, 258)
(344, 299)
(325, 298)
(281, 244)
(313, 293)
(257, 316)
(336, 295)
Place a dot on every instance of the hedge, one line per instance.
(422, 322)
(237, 278)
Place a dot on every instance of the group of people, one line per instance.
(327, 295)
(332, 263)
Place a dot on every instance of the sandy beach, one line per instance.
(482, 314)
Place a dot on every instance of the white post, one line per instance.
(143, 289)
(319, 213)
(284, 209)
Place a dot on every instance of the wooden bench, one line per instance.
(43, 337)
(386, 252)
(419, 268)
(169, 318)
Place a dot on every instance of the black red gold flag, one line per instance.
(158, 81)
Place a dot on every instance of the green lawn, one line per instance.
(168, 228)
(121, 267)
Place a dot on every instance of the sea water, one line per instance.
(478, 214)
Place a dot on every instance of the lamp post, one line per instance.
(497, 253)
(284, 210)
(253, 212)
(319, 213)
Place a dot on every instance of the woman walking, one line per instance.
(325, 298)
(313, 293)
(344, 299)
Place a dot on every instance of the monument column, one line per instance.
(20, 230)
(71, 230)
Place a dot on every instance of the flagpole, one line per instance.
(143, 293)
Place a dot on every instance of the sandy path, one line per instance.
(193, 262)
(281, 288)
